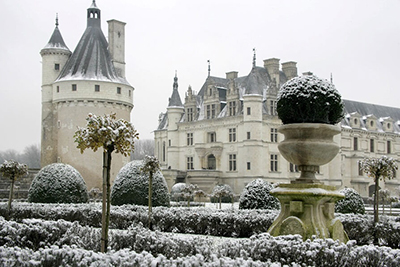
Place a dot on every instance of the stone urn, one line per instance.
(308, 145)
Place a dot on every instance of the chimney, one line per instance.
(231, 75)
(290, 69)
(272, 66)
(116, 44)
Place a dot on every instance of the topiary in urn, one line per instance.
(309, 108)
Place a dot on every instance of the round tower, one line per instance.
(54, 57)
(89, 83)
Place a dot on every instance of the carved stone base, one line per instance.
(308, 210)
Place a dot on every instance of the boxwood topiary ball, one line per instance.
(58, 183)
(131, 186)
(352, 202)
(256, 196)
(309, 99)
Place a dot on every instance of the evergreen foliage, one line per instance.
(131, 186)
(352, 202)
(58, 183)
(256, 195)
(309, 99)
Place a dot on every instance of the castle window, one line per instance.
(274, 163)
(232, 134)
(189, 112)
(74, 87)
(389, 147)
(119, 90)
(232, 162)
(355, 143)
(371, 145)
(213, 111)
(130, 93)
(210, 91)
(248, 111)
(355, 121)
(248, 165)
(189, 139)
(212, 137)
(169, 142)
(232, 108)
(293, 167)
(272, 107)
(163, 152)
(189, 163)
(97, 88)
(57, 66)
(208, 112)
(248, 135)
(388, 126)
(360, 171)
(274, 135)
(371, 123)
(58, 89)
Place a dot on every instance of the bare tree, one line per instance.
(142, 148)
(31, 156)
(151, 166)
(112, 135)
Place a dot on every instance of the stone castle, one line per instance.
(91, 79)
(226, 133)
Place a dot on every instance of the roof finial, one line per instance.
(209, 68)
(175, 81)
(254, 57)
(56, 19)
(331, 78)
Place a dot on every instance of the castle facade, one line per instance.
(227, 133)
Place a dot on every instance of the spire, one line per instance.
(56, 40)
(175, 99)
(209, 68)
(93, 15)
(254, 57)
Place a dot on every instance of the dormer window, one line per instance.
(371, 123)
(388, 126)
(210, 92)
(355, 121)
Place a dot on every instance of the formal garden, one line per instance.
(138, 222)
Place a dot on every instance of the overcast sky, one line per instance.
(357, 41)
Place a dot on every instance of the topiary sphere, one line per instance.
(352, 202)
(58, 183)
(176, 190)
(131, 186)
(256, 196)
(309, 99)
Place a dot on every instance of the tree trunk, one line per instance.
(376, 204)
(150, 196)
(11, 195)
(105, 218)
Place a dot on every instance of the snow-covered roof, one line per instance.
(56, 41)
(91, 59)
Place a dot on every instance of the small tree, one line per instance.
(12, 170)
(379, 168)
(151, 165)
(112, 135)
(191, 190)
(221, 191)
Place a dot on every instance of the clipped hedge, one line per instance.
(64, 243)
(352, 202)
(131, 186)
(58, 183)
(256, 195)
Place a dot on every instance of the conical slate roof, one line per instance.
(91, 59)
(56, 40)
(175, 99)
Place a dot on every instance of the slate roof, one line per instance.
(91, 59)
(56, 40)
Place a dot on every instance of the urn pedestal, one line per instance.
(307, 206)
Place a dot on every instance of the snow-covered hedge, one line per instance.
(58, 183)
(61, 243)
(352, 202)
(256, 196)
(309, 99)
(229, 223)
(131, 186)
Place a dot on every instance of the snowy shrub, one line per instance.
(352, 202)
(176, 192)
(309, 99)
(131, 186)
(223, 193)
(69, 244)
(256, 196)
(58, 183)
